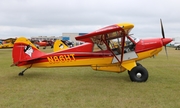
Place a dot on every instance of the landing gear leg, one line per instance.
(22, 73)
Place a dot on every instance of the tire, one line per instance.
(138, 64)
(138, 74)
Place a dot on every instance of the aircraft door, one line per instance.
(128, 50)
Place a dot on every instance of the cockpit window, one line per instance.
(98, 43)
(134, 38)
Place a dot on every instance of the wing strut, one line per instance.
(122, 48)
(111, 51)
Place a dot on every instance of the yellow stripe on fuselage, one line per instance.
(147, 54)
(74, 62)
(103, 63)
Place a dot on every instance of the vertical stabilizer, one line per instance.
(59, 45)
(24, 50)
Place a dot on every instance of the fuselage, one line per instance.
(83, 55)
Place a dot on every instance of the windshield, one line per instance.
(134, 38)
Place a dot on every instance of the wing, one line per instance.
(12, 40)
(112, 28)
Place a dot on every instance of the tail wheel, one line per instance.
(138, 74)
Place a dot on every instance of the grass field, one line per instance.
(82, 87)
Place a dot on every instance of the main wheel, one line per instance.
(138, 74)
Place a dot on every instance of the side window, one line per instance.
(114, 41)
(99, 45)
(129, 45)
(115, 45)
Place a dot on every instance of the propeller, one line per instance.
(163, 35)
(162, 29)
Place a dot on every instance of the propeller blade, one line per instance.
(166, 51)
(162, 29)
(163, 35)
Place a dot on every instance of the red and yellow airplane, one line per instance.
(43, 43)
(108, 49)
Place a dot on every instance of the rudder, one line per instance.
(24, 50)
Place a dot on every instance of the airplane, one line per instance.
(1, 42)
(61, 45)
(7, 43)
(176, 43)
(43, 43)
(110, 49)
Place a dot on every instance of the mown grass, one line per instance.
(82, 87)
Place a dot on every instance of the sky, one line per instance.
(53, 17)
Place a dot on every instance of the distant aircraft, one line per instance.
(61, 45)
(176, 43)
(1, 42)
(43, 43)
(111, 48)
(177, 46)
(7, 43)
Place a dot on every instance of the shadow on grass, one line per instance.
(92, 75)
(116, 77)
(31, 74)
